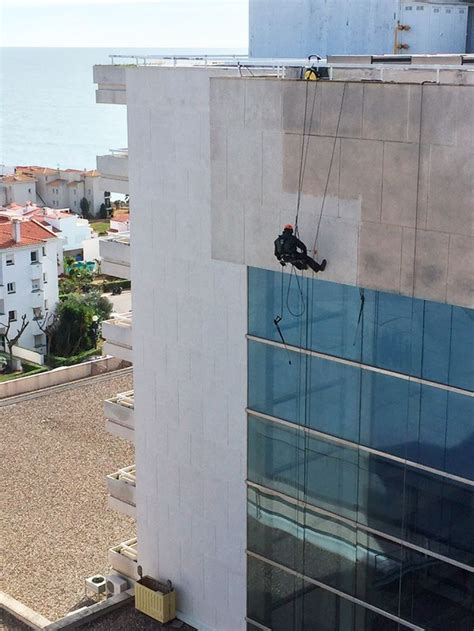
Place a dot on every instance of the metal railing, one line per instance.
(126, 474)
(119, 153)
(125, 399)
(174, 60)
(121, 237)
(278, 66)
(120, 319)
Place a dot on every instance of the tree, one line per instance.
(48, 325)
(85, 208)
(76, 328)
(100, 305)
(103, 214)
(73, 332)
(12, 339)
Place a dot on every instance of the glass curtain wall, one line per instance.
(360, 459)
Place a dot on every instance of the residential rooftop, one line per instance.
(56, 455)
(40, 170)
(19, 178)
(32, 232)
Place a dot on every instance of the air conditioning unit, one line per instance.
(96, 584)
(116, 584)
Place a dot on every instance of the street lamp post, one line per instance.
(95, 329)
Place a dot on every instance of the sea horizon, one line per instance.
(48, 113)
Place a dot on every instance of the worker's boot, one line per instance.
(322, 265)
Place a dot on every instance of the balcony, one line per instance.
(37, 299)
(115, 255)
(123, 558)
(121, 486)
(120, 416)
(113, 169)
(117, 333)
(36, 271)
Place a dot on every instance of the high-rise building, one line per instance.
(278, 28)
(317, 474)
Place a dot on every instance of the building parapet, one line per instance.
(121, 486)
(120, 415)
(115, 255)
(117, 333)
(123, 558)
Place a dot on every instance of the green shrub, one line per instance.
(108, 285)
(57, 362)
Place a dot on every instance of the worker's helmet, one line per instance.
(288, 226)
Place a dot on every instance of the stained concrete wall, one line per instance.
(298, 28)
(397, 163)
(189, 348)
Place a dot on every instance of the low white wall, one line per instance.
(58, 376)
(27, 355)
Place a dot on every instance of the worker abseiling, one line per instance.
(289, 249)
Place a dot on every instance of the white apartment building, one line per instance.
(18, 188)
(70, 230)
(64, 188)
(28, 277)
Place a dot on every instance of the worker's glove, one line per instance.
(282, 263)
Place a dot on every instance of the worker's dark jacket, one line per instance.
(287, 246)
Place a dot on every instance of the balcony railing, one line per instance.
(121, 486)
(115, 255)
(123, 558)
(120, 415)
(117, 333)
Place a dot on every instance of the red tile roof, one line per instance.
(123, 217)
(15, 179)
(32, 233)
(56, 182)
(35, 169)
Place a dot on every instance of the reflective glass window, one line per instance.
(429, 510)
(422, 423)
(410, 336)
(386, 574)
(392, 332)
(283, 602)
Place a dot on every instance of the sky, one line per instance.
(125, 24)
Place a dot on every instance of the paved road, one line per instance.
(122, 303)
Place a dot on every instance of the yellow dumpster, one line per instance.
(155, 599)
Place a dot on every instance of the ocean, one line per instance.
(48, 113)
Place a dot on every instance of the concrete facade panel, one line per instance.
(391, 112)
(382, 185)
(361, 175)
(461, 271)
(267, 117)
(380, 248)
(431, 265)
(400, 183)
(451, 190)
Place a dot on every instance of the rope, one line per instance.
(295, 315)
(330, 169)
(304, 151)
